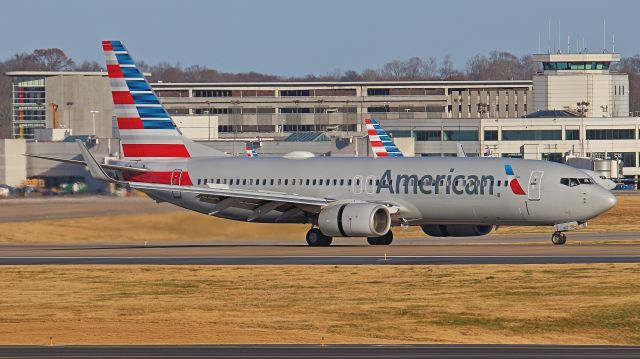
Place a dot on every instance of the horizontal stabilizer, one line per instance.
(83, 163)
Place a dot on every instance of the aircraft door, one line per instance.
(535, 182)
(369, 184)
(176, 177)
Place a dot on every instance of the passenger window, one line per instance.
(307, 182)
(286, 182)
(314, 182)
(264, 182)
(218, 180)
(499, 183)
(279, 181)
(272, 181)
(377, 182)
(342, 182)
(358, 182)
(198, 180)
(244, 182)
(293, 182)
(335, 182)
(349, 182)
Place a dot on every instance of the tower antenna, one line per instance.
(604, 35)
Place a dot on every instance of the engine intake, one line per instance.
(456, 230)
(355, 220)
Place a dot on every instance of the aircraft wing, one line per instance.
(241, 194)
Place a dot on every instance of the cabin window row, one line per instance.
(329, 182)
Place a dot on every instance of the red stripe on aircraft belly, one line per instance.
(159, 178)
(148, 150)
(130, 123)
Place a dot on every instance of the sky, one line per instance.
(299, 37)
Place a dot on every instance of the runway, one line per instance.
(529, 249)
(317, 351)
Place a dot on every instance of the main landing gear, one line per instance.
(558, 238)
(382, 240)
(315, 238)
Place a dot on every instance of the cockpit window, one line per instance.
(572, 182)
(603, 177)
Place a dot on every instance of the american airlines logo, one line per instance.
(513, 181)
(436, 184)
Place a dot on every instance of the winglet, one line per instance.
(94, 168)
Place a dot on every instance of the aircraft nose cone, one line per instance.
(603, 201)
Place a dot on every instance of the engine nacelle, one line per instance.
(355, 220)
(456, 230)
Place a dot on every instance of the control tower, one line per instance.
(581, 82)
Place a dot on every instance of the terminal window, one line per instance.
(491, 135)
(572, 135)
(612, 134)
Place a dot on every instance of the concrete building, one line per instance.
(260, 109)
(581, 82)
(538, 119)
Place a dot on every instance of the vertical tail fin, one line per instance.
(146, 129)
(381, 143)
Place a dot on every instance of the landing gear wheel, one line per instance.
(315, 238)
(382, 240)
(558, 238)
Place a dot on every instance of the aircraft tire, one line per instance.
(382, 240)
(558, 238)
(315, 238)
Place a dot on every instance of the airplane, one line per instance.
(595, 176)
(250, 151)
(336, 196)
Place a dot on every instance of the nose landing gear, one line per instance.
(558, 238)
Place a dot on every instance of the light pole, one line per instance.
(209, 120)
(93, 119)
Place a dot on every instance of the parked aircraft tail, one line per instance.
(381, 143)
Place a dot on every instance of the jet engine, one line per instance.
(354, 220)
(456, 230)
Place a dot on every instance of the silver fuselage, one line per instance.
(427, 190)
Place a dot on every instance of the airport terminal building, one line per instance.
(573, 105)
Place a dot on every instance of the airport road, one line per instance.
(317, 351)
(499, 250)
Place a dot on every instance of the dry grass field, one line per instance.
(184, 226)
(566, 304)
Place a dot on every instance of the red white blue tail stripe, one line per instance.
(251, 152)
(381, 143)
(146, 129)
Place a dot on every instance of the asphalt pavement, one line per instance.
(317, 351)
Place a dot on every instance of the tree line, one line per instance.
(496, 65)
